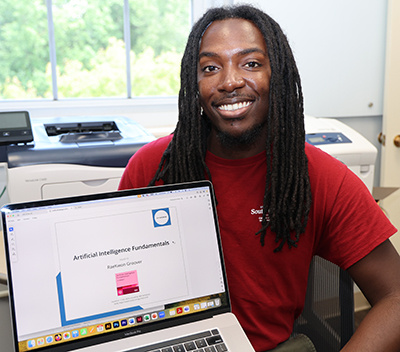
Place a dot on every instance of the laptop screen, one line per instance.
(112, 265)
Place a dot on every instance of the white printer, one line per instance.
(72, 156)
(345, 144)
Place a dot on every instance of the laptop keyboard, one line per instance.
(207, 341)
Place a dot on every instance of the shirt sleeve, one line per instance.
(355, 224)
(143, 165)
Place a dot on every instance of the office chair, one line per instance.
(328, 314)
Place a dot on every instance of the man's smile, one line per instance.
(235, 106)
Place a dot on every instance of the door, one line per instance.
(390, 167)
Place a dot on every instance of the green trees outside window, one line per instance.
(90, 48)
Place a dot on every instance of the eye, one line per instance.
(209, 68)
(253, 64)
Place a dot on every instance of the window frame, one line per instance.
(157, 113)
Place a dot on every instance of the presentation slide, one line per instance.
(109, 265)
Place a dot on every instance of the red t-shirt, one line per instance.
(267, 289)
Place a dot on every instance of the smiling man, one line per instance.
(233, 79)
(280, 200)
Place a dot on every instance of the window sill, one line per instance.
(154, 113)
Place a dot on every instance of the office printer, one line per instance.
(72, 156)
(345, 144)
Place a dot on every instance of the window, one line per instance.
(58, 49)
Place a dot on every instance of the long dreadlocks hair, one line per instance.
(287, 196)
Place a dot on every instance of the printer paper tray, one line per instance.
(67, 189)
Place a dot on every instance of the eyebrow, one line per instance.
(240, 53)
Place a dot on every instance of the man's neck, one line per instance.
(221, 150)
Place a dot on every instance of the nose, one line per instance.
(231, 79)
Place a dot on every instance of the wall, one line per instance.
(339, 47)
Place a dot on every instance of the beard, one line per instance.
(245, 140)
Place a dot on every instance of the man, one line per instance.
(280, 201)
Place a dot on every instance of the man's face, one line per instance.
(233, 78)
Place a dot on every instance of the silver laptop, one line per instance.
(138, 270)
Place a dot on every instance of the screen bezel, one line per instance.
(144, 328)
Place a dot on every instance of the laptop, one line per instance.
(137, 270)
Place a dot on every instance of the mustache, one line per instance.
(234, 97)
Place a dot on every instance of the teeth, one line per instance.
(236, 106)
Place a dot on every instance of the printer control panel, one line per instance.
(15, 127)
(326, 138)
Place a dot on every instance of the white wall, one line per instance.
(339, 46)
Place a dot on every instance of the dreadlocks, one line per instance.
(287, 197)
